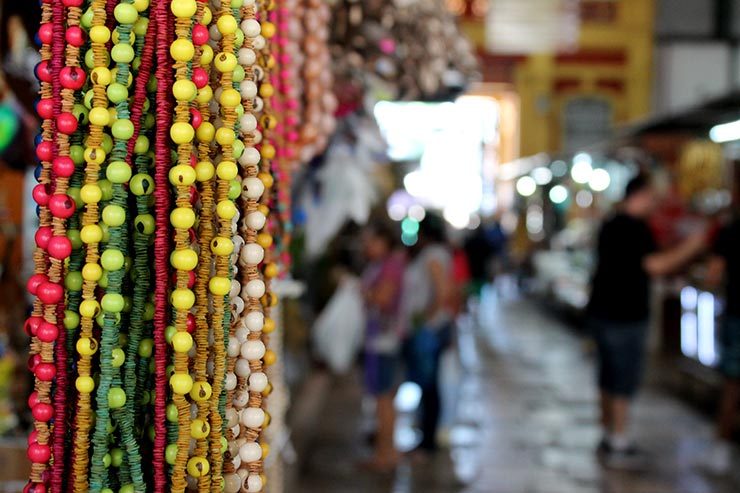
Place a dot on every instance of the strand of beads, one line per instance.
(222, 246)
(39, 446)
(202, 427)
(114, 304)
(183, 259)
(161, 241)
(91, 235)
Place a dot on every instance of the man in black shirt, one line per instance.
(724, 264)
(619, 309)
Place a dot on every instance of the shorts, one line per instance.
(380, 373)
(621, 352)
(729, 363)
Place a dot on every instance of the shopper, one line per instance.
(382, 281)
(619, 310)
(724, 264)
(428, 300)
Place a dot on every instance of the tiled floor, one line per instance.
(525, 422)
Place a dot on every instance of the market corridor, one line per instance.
(525, 422)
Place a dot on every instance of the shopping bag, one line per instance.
(338, 331)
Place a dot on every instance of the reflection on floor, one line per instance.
(524, 422)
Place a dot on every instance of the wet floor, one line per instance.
(521, 418)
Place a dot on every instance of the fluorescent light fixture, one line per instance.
(705, 309)
(581, 170)
(526, 186)
(725, 132)
(689, 298)
(558, 194)
(689, 338)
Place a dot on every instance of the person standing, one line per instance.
(619, 310)
(382, 282)
(724, 265)
(428, 310)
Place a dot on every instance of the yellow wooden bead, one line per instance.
(182, 50)
(99, 116)
(227, 170)
(184, 90)
(268, 326)
(182, 175)
(201, 391)
(265, 449)
(267, 151)
(264, 240)
(198, 467)
(263, 209)
(226, 24)
(205, 94)
(181, 383)
(99, 34)
(225, 62)
(267, 180)
(270, 357)
(141, 5)
(182, 132)
(84, 384)
(91, 193)
(205, 132)
(101, 75)
(204, 170)
(206, 56)
(185, 259)
(91, 233)
(182, 342)
(271, 270)
(182, 217)
(89, 308)
(92, 272)
(222, 246)
(86, 346)
(266, 392)
(183, 8)
(268, 29)
(95, 155)
(267, 90)
(230, 98)
(219, 286)
(199, 429)
(183, 299)
(226, 209)
(225, 136)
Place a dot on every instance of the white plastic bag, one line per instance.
(339, 329)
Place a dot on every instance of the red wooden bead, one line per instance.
(195, 118)
(60, 247)
(38, 453)
(45, 151)
(43, 71)
(72, 3)
(33, 399)
(63, 165)
(194, 195)
(200, 77)
(50, 293)
(40, 194)
(42, 411)
(47, 332)
(200, 35)
(34, 488)
(66, 123)
(45, 32)
(75, 36)
(33, 361)
(72, 78)
(34, 282)
(61, 205)
(45, 371)
(32, 324)
(45, 108)
(191, 279)
(42, 236)
(32, 437)
(190, 323)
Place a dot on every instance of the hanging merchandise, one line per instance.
(410, 50)
(170, 131)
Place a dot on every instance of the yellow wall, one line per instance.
(534, 76)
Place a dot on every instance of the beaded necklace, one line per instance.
(39, 446)
(202, 427)
(184, 259)
(162, 235)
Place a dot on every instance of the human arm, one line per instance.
(669, 261)
(715, 271)
(441, 283)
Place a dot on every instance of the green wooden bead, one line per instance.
(116, 398)
(118, 357)
(118, 171)
(117, 93)
(114, 215)
(112, 259)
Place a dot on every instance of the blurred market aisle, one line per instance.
(526, 423)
